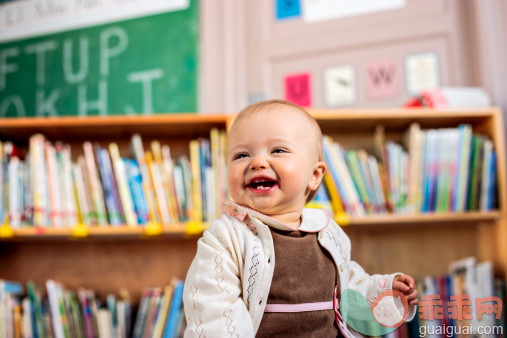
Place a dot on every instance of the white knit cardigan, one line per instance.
(228, 282)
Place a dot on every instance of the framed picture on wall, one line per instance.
(340, 86)
(422, 72)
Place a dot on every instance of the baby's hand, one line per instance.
(406, 285)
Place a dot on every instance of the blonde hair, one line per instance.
(262, 105)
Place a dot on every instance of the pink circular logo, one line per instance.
(390, 309)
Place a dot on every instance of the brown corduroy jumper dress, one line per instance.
(304, 273)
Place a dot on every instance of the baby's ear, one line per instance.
(318, 173)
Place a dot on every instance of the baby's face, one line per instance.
(271, 161)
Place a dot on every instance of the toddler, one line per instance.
(270, 267)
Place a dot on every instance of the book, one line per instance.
(174, 311)
(486, 176)
(141, 313)
(412, 140)
(95, 185)
(68, 192)
(38, 179)
(476, 169)
(196, 191)
(55, 296)
(137, 150)
(134, 178)
(106, 177)
(87, 190)
(151, 312)
(462, 177)
(168, 174)
(164, 310)
(83, 208)
(464, 276)
(159, 188)
(358, 179)
(15, 184)
(123, 188)
(333, 180)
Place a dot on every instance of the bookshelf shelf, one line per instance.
(99, 128)
(398, 120)
(96, 232)
(429, 218)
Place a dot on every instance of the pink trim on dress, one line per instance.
(303, 307)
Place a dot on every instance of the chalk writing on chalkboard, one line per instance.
(138, 66)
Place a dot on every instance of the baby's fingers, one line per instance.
(407, 280)
(411, 296)
(400, 286)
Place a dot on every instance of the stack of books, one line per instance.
(435, 170)
(58, 312)
(468, 301)
(46, 188)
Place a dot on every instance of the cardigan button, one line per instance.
(269, 260)
(260, 302)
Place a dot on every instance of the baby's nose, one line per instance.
(258, 163)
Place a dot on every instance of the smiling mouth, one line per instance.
(261, 185)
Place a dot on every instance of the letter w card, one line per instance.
(382, 79)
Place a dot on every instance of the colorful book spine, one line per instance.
(333, 170)
(462, 177)
(95, 185)
(54, 291)
(87, 190)
(196, 191)
(168, 174)
(137, 150)
(492, 191)
(123, 188)
(358, 179)
(377, 183)
(69, 200)
(38, 167)
(181, 192)
(174, 311)
(53, 185)
(108, 166)
(107, 184)
(84, 210)
(485, 174)
(158, 329)
(474, 182)
(204, 163)
(136, 190)
(14, 214)
(141, 313)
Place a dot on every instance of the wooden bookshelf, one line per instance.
(108, 258)
(422, 244)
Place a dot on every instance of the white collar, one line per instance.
(312, 220)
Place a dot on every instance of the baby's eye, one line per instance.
(278, 151)
(240, 155)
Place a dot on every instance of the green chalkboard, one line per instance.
(139, 66)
